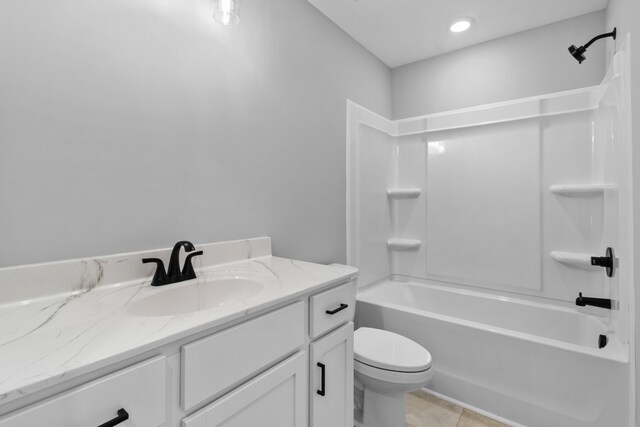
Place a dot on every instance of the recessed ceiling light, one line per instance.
(460, 25)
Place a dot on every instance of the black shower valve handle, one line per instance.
(601, 261)
(608, 262)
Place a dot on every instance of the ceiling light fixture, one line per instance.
(226, 11)
(460, 25)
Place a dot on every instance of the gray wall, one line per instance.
(530, 63)
(127, 125)
(624, 15)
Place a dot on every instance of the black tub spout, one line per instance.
(596, 302)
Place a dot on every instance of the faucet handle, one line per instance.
(160, 276)
(187, 269)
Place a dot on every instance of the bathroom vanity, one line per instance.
(253, 340)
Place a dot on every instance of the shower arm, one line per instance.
(601, 36)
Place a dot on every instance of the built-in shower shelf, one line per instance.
(403, 193)
(575, 259)
(581, 190)
(403, 244)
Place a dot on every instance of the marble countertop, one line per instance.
(53, 338)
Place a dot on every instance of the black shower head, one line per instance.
(578, 52)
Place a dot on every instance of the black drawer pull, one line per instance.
(322, 369)
(342, 307)
(122, 417)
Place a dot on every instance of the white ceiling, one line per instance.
(404, 31)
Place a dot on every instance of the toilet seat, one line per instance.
(389, 351)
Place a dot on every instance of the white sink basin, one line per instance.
(196, 296)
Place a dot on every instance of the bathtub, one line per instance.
(531, 363)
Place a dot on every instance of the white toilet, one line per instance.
(386, 366)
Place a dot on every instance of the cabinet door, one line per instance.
(277, 398)
(331, 391)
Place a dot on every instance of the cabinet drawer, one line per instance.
(276, 398)
(327, 309)
(139, 390)
(230, 357)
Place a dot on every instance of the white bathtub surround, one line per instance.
(502, 186)
(61, 320)
(515, 198)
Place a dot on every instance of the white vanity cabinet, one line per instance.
(280, 396)
(264, 370)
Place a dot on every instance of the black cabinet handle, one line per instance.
(342, 307)
(322, 369)
(122, 417)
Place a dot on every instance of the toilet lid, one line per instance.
(390, 351)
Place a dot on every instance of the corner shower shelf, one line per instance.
(575, 259)
(403, 193)
(403, 244)
(581, 190)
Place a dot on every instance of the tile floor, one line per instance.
(425, 410)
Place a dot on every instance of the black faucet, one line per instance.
(596, 302)
(174, 274)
